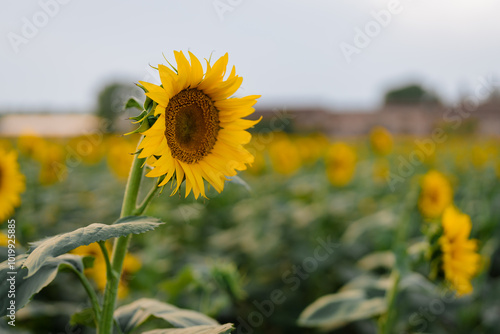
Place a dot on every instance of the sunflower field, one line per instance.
(240, 229)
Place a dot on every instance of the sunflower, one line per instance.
(340, 164)
(284, 156)
(381, 140)
(436, 194)
(199, 132)
(460, 260)
(118, 162)
(12, 183)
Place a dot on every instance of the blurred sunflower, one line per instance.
(340, 164)
(284, 155)
(97, 273)
(199, 134)
(460, 259)
(381, 140)
(479, 156)
(53, 165)
(4, 240)
(120, 155)
(30, 145)
(436, 194)
(12, 183)
(381, 170)
(83, 147)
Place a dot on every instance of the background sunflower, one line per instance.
(12, 183)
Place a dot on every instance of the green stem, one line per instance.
(139, 210)
(105, 254)
(92, 295)
(387, 322)
(120, 247)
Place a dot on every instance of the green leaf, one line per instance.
(132, 103)
(85, 317)
(361, 229)
(26, 287)
(63, 243)
(221, 329)
(176, 285)
(239, 181)
(336, 310)
(133, 315)
(376, 260)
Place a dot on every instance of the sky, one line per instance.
(55, 55)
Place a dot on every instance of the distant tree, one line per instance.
(111, 102)
(411, 94)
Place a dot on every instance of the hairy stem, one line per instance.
(120, 247)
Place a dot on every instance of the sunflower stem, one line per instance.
(96, 307)
(387, 321)
(120, 247)
(140, 209)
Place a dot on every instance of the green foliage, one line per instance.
(135, 314)
(336, 310)
(411, 94)
(222, 329)
(85, 317)
(26, 287)
(63, 243)
(110, 102)
(60, 244)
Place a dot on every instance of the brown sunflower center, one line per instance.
(191, 125)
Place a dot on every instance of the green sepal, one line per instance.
(145, 118)
(140, 117)
(148, 101)
(143, 127)
(133, 103)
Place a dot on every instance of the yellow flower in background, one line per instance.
(131, 265)
(436, 194)
(89, 151)
(340, 164)
(381, 140)
(284, 156)
(479, 156)
(97, 273)
(12, 183)
(5, 144)
(381, 170)
(31, 146)
(200, 132)
(4, 240)
(460, 258)
(120, 155)
(53, 164)
(259, 165)
(310, 148)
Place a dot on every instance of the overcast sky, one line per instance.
(288, 51)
